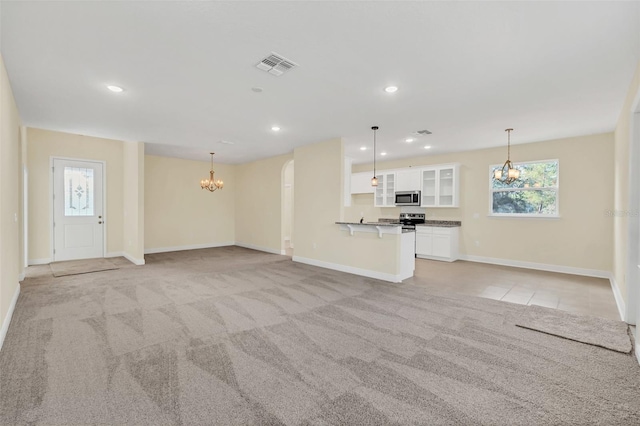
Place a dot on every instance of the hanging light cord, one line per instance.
(375, 128)
(509, 144)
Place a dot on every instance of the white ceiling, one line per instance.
(465, 71)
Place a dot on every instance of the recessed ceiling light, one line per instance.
(383, 153)
(116, 89)
(275, 128)
(391, 89)
(427, 147)
(409, 140)
(363, 148)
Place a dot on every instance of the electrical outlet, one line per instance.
(315, 246)
(476, 215)
(477, 243)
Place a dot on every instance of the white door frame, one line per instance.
(104, 202)
(632, 314)
(25, 216)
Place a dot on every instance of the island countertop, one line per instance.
(369, 223)
(441, 223)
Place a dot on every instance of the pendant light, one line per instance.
(507, 174)
(374, 179)
(211, 184)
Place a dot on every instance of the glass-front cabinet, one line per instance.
(386, 190)
(428, 188)
(440, 186)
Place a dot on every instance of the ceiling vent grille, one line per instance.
(276, 64)
(420, 133)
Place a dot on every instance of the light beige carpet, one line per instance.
(595, 331)
(231, 336)
(84, 266)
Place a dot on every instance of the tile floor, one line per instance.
(572, 293)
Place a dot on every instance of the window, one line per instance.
(78, 191)
(534, 194)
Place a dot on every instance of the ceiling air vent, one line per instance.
(276, 64)
(424, 132)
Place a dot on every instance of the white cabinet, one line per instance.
(407, 254)
(408, 180)
(440, 186)
(361, 183)
(385, 192)
(438, 243)
(424, 243)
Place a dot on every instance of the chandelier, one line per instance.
(211, 184)
(374, 179)
(507, 174)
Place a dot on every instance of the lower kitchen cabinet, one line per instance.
(438, 243)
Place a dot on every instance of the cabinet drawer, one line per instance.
(441, 231)
(424, 230)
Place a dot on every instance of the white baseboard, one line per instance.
(350, 269)
(22, 276)
(7, 318)
(538, 266)
(43, 261)
(114, 254)
(618, 297)
(187, 247)
(133, 260)
(283, 252)
(259, 248)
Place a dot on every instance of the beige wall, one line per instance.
(258, 220)
(287, 202)
(133, 194)
(580, 238)
(44, 144)
(178, 213)
(621, 187)
(318, 194)
(11, 258)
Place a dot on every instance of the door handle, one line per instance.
(100, 222)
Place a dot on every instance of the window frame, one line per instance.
(525, 215)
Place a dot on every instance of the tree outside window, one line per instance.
(534, 194)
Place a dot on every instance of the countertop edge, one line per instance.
(369, 224)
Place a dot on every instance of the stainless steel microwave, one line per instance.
(407, 198)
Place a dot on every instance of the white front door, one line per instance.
(78, 219)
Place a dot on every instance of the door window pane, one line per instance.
(78, 191)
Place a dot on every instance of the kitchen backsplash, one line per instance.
(362, 206)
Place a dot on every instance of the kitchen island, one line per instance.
(385, 251)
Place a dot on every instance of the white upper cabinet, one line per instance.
(408, 180)
(440, 186)
(428, 188)
(385, 192)
(361, 183)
